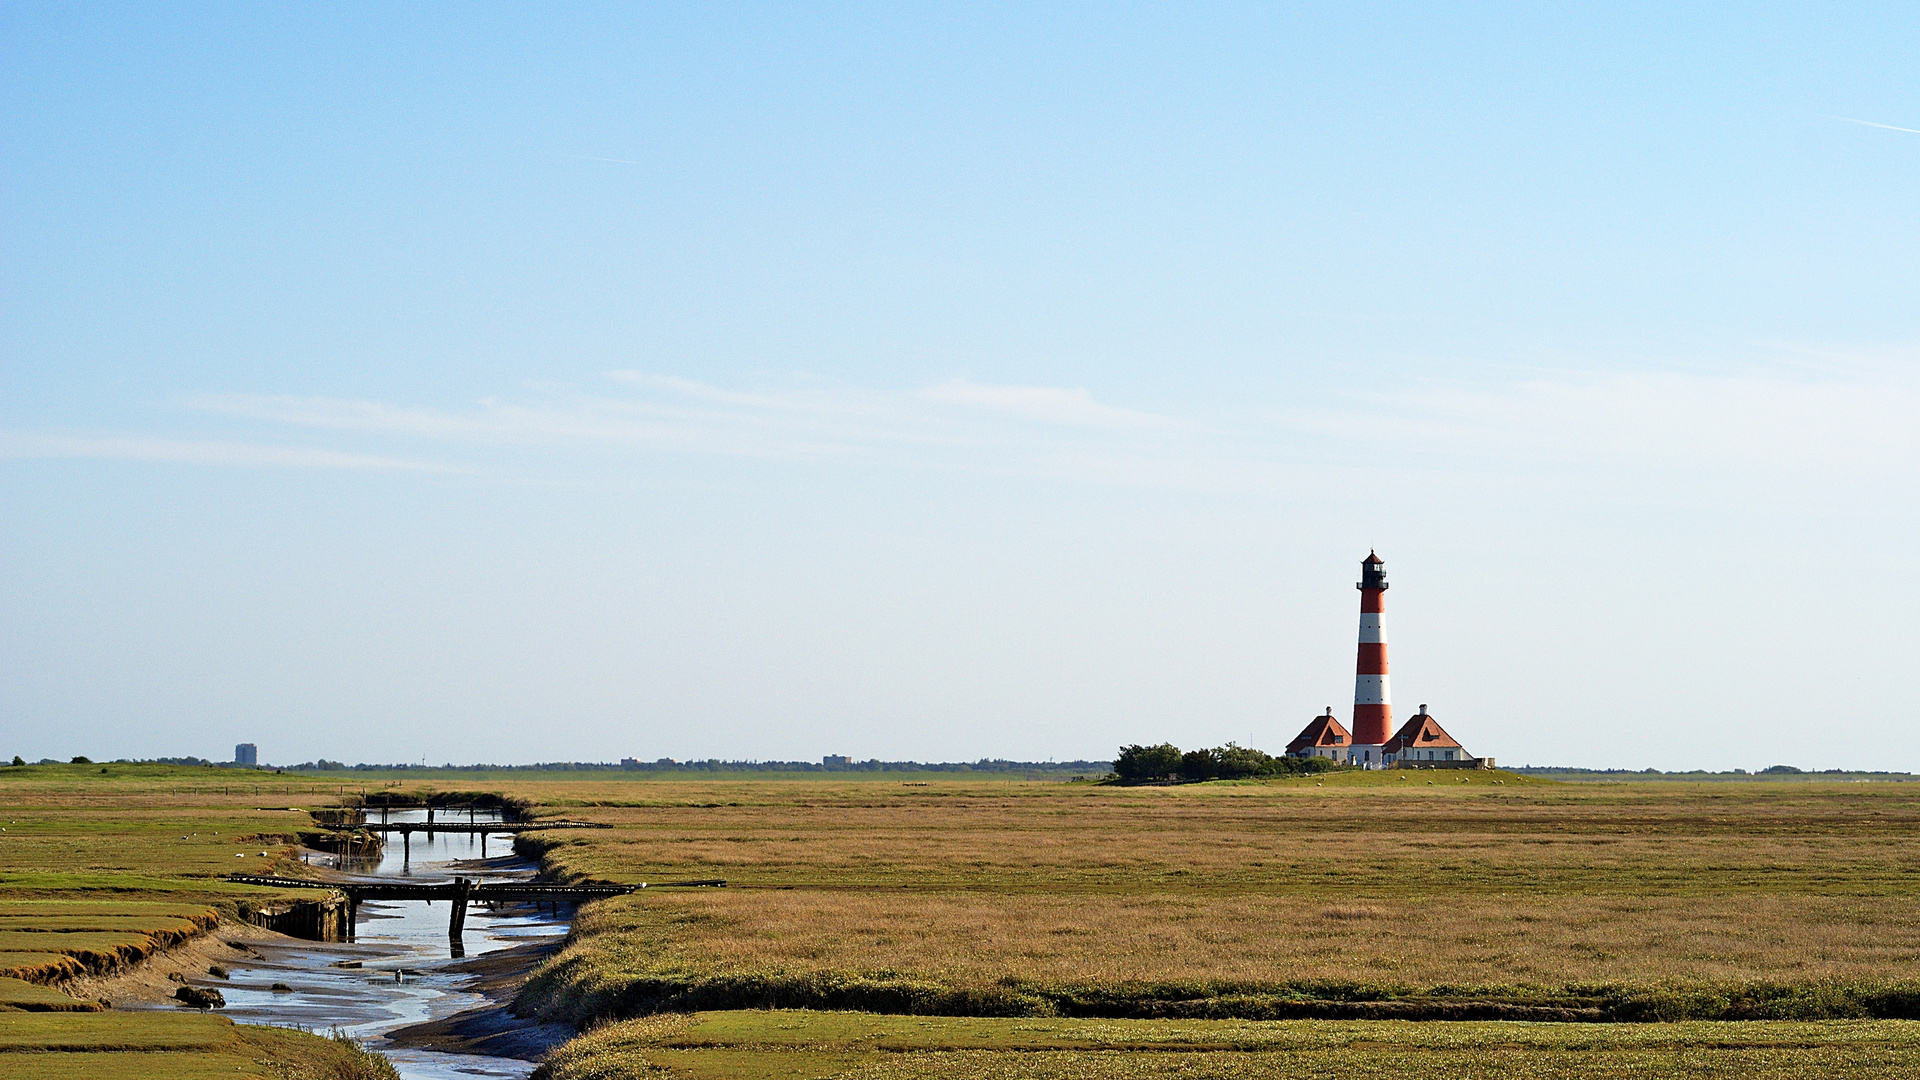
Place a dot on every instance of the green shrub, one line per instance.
(1229, 762)
(1147, 762)
(1199, 765)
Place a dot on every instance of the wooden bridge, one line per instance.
(461, 891)
(483, 829)
(463, 826)
(473, 817)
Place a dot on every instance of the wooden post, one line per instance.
(406, 848)
(353, 915)
(458, 923)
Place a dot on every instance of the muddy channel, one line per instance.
(397, 986)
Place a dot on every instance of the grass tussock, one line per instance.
(343, 1058)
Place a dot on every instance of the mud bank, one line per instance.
(492, 1029)
(151, 982)
(322, 919)
(63, 961)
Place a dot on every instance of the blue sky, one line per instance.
(505, 383)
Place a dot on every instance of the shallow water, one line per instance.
(403, 951)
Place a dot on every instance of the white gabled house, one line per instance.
(1420, 743)
(1324, 738)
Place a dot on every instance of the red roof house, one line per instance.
(1322, 738)
(1422, 738)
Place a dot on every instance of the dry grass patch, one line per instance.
(971, 939)
(1680, 839)
(954, 893)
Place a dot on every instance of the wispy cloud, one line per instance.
(15, 444)
(674, 410)
(1059, 431)
(1817, 419)
(1746, 423)
(1047, 404)
(1873, 124)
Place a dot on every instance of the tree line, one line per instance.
(1229, 762)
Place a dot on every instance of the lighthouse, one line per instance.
(1421, 743)
(1372, 691)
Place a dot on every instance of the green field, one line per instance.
(793, 1045)
(166, 1046)
(99, 870)
(18, 994)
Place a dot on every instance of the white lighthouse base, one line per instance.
(1366, 755)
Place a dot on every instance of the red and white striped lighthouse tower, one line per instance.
(1372, 693)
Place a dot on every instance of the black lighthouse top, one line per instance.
(1373, 573)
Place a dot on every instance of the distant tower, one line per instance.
(1372, 693)
(245, 754)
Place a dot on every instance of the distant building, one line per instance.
(1420, 743)
(630, 762)
(246, 754)
(835, 759)
(1422, 740)
(1323, 738)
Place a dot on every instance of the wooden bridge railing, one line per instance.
(461, 891)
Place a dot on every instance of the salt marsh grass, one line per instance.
(769, 1044)
(1232, 888)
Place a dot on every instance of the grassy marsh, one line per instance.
(766, 1045)
(166, 1046)
(1059, 906)
(97, 872)
(102, 869)
(980, 895)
